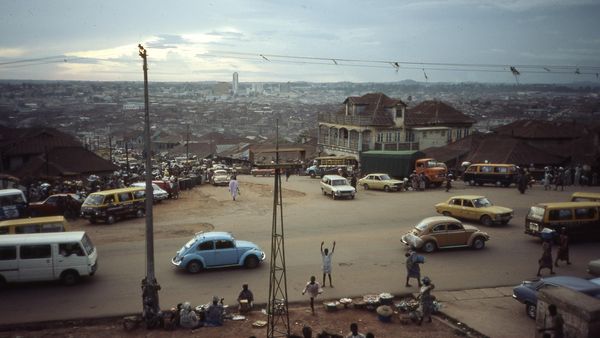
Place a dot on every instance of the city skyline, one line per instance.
(432, 40)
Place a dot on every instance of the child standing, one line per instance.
(314, 289)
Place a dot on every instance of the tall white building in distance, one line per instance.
(235, 84)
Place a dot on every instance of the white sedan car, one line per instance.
(220, 177)
(158, 193)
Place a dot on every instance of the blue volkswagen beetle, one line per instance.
(217, 249)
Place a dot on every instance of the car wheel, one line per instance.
(486, 220)
(139, 213)
(447, 213)
(69, 278)
(478, 243)
(110, 219)
(194, 267)
(531, 310)
(429, 247)
(366, 186)
(312, 175)
(323, 190)
(386, 188)
(251, 262)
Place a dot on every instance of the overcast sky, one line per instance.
(193, 40)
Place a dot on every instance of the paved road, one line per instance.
(369, 257)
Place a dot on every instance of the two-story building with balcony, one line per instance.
(375, 121)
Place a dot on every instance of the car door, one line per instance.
(439, 232)
(469, 211)
(206, 250)
(36, 262)
(9, 265)
(69, 256)
(456, 234)
(225, 252)
(455, 207)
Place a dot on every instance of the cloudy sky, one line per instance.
(548, 41)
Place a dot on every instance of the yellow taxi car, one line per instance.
(440, 232)
(381, 182)
(475, 207)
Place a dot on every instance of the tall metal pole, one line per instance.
(277, 309)
(150, 286)
(187, 144)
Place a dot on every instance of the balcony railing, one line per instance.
(397, 146)
(348, 120)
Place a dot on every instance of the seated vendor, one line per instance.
(245, 299)
(187, 317)
(214, 313)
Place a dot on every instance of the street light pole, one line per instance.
(150, 286)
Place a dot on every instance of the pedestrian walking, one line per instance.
(422, 182)
(313, 289)
(326, 255)
(523, 181)
(353, 182)
(559, 179)
(545, 262)
(547, 180)
(413, 270)
(426, 300)
(563, 248)
(287, 174)
(234, 188)
(448, 182)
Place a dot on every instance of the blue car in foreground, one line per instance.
(526, 293)
(217, 249)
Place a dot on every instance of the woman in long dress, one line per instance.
(426, 299)
(234, 187)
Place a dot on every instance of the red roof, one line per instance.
(30, 141)
(429, 113)
(375, 105)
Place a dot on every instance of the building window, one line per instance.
(443, 133)
(398, 113)
(388, 137)
(379, 138)
(410, 136)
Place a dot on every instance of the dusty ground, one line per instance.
(193, 204)
(337, 322)
(208, 200)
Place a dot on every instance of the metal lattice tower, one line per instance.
(277, 310)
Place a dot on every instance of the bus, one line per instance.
(33, 225)
(330, 165)
(13, 204)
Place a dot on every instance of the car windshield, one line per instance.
(94, 199)
(338, 182)
(482, 202)
(422, 226)
(87, 244)
(190, 243)
(435, 164)
(385, 177)
(536, 213)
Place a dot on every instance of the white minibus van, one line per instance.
(64, 256)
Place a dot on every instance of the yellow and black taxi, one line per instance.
(110, 205)
(578, 218)
(585, 196)
(498, 174)
(475, 207)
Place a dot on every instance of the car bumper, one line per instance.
(176, 262)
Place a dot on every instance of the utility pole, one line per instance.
(278, 324)
(187, 144)
(150, 286)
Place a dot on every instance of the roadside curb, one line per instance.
(459, 328)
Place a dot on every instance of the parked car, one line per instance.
(337, 187)
(220, 177)
(440, 232)
(172, 188)
(262, 172)
(527, 291)
(492, 173)
(67, 205)
(594, 267)
(158, 194)
(217, 249)
(381, 182)
(475, 207)
(109, 205)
